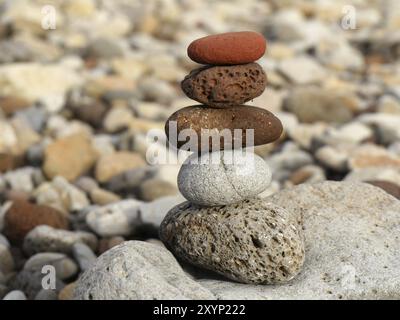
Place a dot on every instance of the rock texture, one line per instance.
(222, 178)
(228, 48)
(351, 241)
(251, 242)
(266, 126)
(221, 86)
(137, 270)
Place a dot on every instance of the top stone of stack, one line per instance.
(230, 48)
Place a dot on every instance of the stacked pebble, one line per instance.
(224, 227)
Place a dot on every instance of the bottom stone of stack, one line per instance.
(252, 241)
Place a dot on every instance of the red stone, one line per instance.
(228, 48)
(23, 216)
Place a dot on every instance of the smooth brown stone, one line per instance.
(390, 187)
(228, 48)
(267, 127)
(23, 216)
(224, 86)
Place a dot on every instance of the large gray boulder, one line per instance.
(352, 233)
(136, 270)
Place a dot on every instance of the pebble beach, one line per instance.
(113, 214)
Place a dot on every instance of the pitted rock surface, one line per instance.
(251, 242)
(221, 86)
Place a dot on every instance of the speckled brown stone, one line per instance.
(252, 241)
(23, 216)
(267, 128)
(390, 187)
(228, 48)
(222, 86)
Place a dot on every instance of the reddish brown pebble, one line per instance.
(390, 187)
(228, 48)
(222, 86)
(267, 128)
(23, 216)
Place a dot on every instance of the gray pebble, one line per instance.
(6, 260)
(136, 270)
(253, 241)
(46, 294)
(3, 290)
(84, 255)
(221, 178)
(47, 239)
(65, 267)
(35, 116)
(30, 282)
(116, 219)
(15, 295)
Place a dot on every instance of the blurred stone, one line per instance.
(387, 126)
(30, 282)
(23, 216)
(160, 91)
(370, 155)
(8, 138)
(388, 104)
(21, 179)
(12, 104)
(333, 158)
(103, 197)
(67, 292)
(6, 260)
(62, 195)
(69, 157)
(116, 219)
(311, 104)
(15, 295)
(302, 70)
(304, 134)
(111, 165)
(34, 81)
(131, 68)
(46, 294)
(154, 188)
(117, 119)
(307, 174)
(107, 243)
(64, 266)
(381, 173)
(84, 255)
(47, 239)
(106, 48)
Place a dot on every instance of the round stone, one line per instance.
(259, 123)
(251, 242)
(228, 48)
(221, 178)
(23, 216)
(221, 86)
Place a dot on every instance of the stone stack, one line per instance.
(224, 226)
